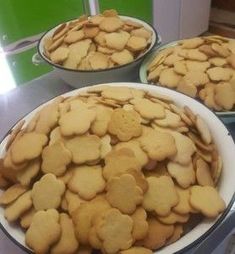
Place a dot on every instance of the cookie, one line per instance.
(59, 55)
(169, 78)
(219, 74)
(178, 231)
(26, 218)
(183, 174)
(222, 51)
(206, 199)
(203, 174)
(173, 218)
(111, 24)
(47, 223)
(203, 130)
(158, 233)
(118, 162)
(115, 231)
(67, 242)
(105, 146)
(192, 43)
(87, 181)
(122, 57)
(136, 250)
(74, 36)
(125, 124)
(25, 175)
(29, 146)
(197, 66)
(218, 61)
(140, 226)
(142, 32)
(82, 217)
(183, 207)
(186, 88)
(90, 31)
(117, 93)
(18, 207)
(197, 78)
(134, 146)
(70, 123)
(84, 148)
(154, 75)
(98, 61)
(171, 59)
(225, 95)
(47, 192)
(161, 195)
(117, 40)
(123, 193)
(185, 148)
(73, 201)
(171, 120)
(148, 109)
(136, 43)
(55, 159)
(180, 67)
(12, 193)
(195, 54)
(158, 145)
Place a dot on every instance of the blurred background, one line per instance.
(22, 22)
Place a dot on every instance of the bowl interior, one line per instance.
(155, 40)
(222, 139)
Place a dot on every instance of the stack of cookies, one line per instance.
(201, 67)
(97, 42)
(114, 169)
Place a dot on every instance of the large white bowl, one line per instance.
(80, 78)
(222, 139)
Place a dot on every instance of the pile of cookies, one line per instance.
(201, 67)
(114, 169)
(97, 42)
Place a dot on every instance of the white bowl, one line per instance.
(79, 78)
(222, 139)
(149, 59)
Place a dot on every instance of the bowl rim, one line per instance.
(157, 42)
(203, 237)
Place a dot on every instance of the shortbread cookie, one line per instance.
(118, 162)
(183, 174)
(68, 242)
(136, 250)
(55, 159)
(219, 74)
(225, 95)
(18, 207)
(47, 223)
(82, 217)
(140, 226)
(173, 218)
(70, 123)
(158, 233)
(203, 173)
(26, 218)
(125, 124)
(12, 194)
(29, 146)
(178, 231)
(115, 231)
(123, 193)
(84, 148)
(207, 200)
(161, 195)
(158, 145)
(136, 43)
(87, 181)
(111, 24)
(169, 78)
(47, 192)
(122, 57)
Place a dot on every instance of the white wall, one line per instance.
(177, 19)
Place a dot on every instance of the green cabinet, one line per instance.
(22, 19)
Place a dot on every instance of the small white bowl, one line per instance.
(222, 139)
(80, 78)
